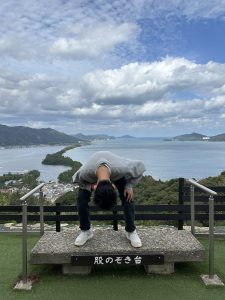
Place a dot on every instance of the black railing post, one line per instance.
(115, 220)
(57, 222)
(181, 202)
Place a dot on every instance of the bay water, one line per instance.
(163, 159)
(21, 160)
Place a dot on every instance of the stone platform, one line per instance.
(174, 245)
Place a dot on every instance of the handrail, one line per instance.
(211, 276)
(202, 187)
(24, 221)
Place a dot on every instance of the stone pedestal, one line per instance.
(167, 268)
(78, 270)
(174, 245)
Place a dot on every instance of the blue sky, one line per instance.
(146, 68)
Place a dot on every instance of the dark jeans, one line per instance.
(83, 207)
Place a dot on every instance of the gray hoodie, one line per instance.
(131, 170)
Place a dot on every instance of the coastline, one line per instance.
(33, 146)
(20, 160)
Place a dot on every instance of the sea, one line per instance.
(163, 159)
(24, 159)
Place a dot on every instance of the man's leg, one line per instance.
(129, 214)
(128, 207)
(84, 217)
(83, 208)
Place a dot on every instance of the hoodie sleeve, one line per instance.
(76, 178)
(134, 174)
(130, 182)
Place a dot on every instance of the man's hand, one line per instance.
(128, 194)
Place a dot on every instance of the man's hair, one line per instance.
(105, 195)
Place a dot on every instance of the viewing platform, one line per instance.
(162, 247)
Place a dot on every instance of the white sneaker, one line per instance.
(83, 237)
(134, 239)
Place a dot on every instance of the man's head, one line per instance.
(105, 195)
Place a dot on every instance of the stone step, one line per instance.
(175, 246)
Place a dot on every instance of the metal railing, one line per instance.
(24, 222)
(211, 220)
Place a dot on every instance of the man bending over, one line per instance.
(103, 173)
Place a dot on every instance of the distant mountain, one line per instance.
(200, 137)
(190, 137)
(84, 137)
(218, 138)
(26, 136)
(127, 137)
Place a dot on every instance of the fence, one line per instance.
(179, 213)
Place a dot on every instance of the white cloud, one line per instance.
(93, 40)
(134, 92)
(215, 104)
(210, 9)
(14, 47)
(191, 9)
(140, 82)
(93, 110)
(69, 99)
(85, 29)
(28, 94)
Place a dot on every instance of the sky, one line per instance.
(138, 67)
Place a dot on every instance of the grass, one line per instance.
(108, 283)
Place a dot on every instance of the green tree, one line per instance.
(30, 179)
(69, 198)
(66, 177)
(4, 199)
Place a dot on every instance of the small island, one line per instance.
(200, 137)
(58, 158)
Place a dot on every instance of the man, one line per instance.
(103, 173)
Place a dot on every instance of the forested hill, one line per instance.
(190, 137)
(84, 137)
(200, 137)
(26, 136)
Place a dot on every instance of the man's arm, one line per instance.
(131, 181)
(128, 191)
(134, 176)
(76, 178)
